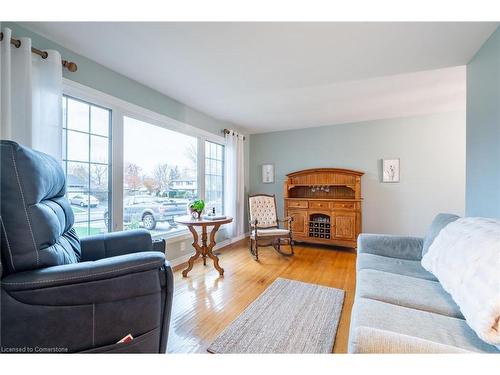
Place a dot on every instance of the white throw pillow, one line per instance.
(465, 257)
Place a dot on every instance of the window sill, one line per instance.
(176, 237)
(181, 235)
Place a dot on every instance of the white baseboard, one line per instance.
(220, 245)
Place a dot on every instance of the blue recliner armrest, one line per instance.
(402, 247)
(84, 272)
(115, 243)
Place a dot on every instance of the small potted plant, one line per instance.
(196, 208)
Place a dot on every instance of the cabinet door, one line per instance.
(299, 223)
(345, 225)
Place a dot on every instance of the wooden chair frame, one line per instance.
(276, 240)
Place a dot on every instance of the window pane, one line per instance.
(82, 229)
(99, 121)
(78, 115)
(214, 177)
(99, 210)
(78, 146)
(218, 169)
(99, 178)
(213, 153)
(80, 210)
(160, 176)
(77, 178)
(87, 167)
(99, 149)
(97, 227)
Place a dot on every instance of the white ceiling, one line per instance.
(275, 76)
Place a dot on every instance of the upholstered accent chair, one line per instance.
(264, 225)
(60, 293)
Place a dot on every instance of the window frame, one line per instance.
(109, 163)
(223, 171)
(119, 109)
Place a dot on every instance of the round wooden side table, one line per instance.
(205, 249)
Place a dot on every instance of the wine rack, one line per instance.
(320, 227)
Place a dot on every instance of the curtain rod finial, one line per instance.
(71, 66)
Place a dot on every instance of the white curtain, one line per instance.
(30, 96)
(234, 188)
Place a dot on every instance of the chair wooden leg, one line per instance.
(253, 249)
(277, 247)
(250, 246)
(291, 246)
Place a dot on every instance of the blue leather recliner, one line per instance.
(60, 293)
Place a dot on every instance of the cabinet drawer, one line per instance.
(323, 205)
(343, 205)
(297, 204)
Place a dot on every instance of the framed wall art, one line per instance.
(390, 170)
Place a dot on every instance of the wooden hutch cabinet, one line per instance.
(325, 204)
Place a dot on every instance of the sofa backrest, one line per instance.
(439, 222)
(35, 217)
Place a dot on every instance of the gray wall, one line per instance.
(432, 153)
(483, 130)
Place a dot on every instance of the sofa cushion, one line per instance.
(369, 340)
(439, 222)
(420, 294)
(386, 245)
(425, 325)
(36, 218)
(411, 268)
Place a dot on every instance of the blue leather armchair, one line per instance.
(63, 294)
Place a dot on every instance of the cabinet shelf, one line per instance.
(326, 199)
(350, 186)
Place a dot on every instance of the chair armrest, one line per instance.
(402, 247)
(253, 225)
(115, 243)
(84, 272)
(287, 220)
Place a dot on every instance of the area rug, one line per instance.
(289, 317)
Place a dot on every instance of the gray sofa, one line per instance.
(399, 307)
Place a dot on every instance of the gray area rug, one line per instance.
(289, 317)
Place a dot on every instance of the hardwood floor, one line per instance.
(204, 303)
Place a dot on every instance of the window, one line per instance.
(214, 177)
(87, 164)
(159, 165)
(160, 176)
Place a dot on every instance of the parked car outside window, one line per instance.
(150, 210)
(84, 200)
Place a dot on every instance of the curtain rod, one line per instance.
(227, 131)
(71, 66)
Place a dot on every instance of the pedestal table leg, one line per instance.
(211, 255)
(199, 251)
